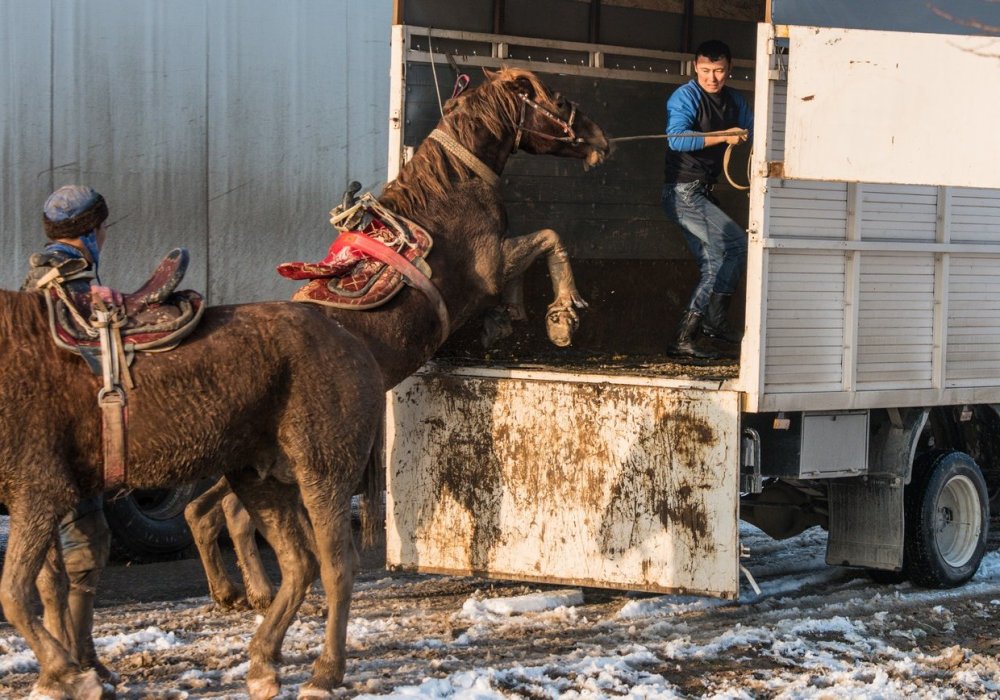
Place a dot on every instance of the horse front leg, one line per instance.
(53, 591)
(32, 534)
(339, 564)
(561, 318)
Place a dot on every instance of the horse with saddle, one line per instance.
(285, 399)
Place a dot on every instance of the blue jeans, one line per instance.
(717, 242)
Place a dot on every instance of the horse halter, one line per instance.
(569, 136)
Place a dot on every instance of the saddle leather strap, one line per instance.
(114, 424)
(466, 156)
(112, 401)
(408, 270)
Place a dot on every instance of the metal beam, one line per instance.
(595, 22)
(498, 13)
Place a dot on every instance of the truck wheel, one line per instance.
(148, 525)
(946, 520)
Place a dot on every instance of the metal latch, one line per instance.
(750, 478)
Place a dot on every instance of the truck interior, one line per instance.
(620, 60)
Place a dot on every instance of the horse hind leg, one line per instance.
(259, 590)
(32, 533)
(206, 516)
(277, 511)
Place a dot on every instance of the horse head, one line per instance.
(540, 121)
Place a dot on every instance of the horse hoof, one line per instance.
(312, 692)
(233, 600)
(79, 686)
(560, 324)
(105, 674)
(260, 601)
(263, 688)
(88, 686)
(39, 692)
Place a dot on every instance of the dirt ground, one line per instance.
(814, 627)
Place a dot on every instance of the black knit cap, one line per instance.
(73, 211)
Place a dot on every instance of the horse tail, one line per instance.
(372, 505)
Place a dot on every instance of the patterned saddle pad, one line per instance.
(350, 279)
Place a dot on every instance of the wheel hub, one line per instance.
(959, 521)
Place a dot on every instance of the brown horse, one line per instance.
(218, 508)
(284, 398)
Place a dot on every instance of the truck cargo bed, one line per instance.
(582, 362)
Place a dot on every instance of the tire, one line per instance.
(946, 518)
(148, 525)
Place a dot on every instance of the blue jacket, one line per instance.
(692, 109)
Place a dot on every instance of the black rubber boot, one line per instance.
(716, 324)
(687, 332)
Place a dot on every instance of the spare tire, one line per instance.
(148, 525)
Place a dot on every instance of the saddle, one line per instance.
(107, 328)
(156, 317)
(350, 278)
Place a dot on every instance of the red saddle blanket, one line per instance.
(349, 278)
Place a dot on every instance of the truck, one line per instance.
(866, 396)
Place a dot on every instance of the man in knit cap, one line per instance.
(75, 220)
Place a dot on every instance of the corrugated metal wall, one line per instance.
(227, 126)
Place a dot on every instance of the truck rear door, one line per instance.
(568, 478)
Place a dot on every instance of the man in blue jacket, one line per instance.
(693, 165)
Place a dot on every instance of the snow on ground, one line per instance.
(812, 632)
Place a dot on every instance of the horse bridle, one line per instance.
(569, 136)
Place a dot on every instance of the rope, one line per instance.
(725, 169)
(437, 88)
(689, 134)
(681, 135)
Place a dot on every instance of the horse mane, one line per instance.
(432, 171)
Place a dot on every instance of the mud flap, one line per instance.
(567, 479)
(866, 524)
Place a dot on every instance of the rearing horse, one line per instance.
(284, 398)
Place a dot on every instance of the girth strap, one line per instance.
(414, 276)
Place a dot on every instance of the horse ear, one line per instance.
(525, 87)
(490, 74)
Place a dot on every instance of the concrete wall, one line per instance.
(230, 127)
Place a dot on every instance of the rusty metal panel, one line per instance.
(595, 482)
